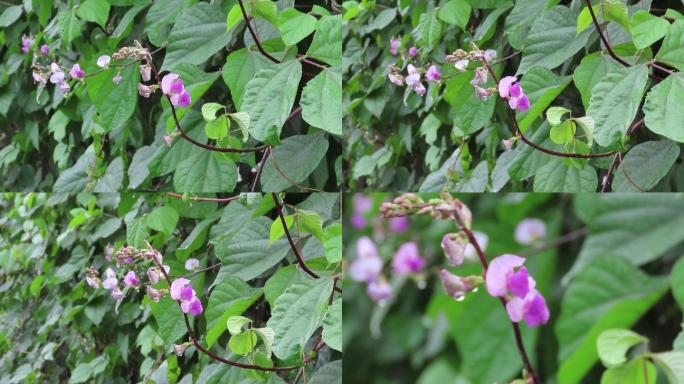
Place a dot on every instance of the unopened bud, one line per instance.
(454, 245)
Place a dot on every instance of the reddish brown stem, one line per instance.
(603, 37)
(260, 168)
(205, 350)
(254, 36)
(299, 257)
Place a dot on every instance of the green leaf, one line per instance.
(639, 228)
(217, 128)
(199, 32)
(645, 164)
(429, 29)
(240, 67)
(555, 114)
(162, 219)
(616, 10)
(609, 293)
(322, 101)
(136, 233)
(277, 231)
(587, 124)
(563, 133)
(80, 374)
(138, 169)
(195, 239)
(246, 254)
(552, 39)
(672, 50)
(332, 242)
(311, 222)
(112, 179)
(205, 172)
(332, 325)
(672, 363)
(590, 71)
(294, 25)
(243, 344)
(115, 103)
(209, 110)
(69, 26)
(297, 313)
(234, 324)
(614, 103)
(330, 373)
(646, 29)
(519, 21)
(297, 157)
(263, 9)
(456, 12)
(10, 15)
(631, 373)
(96, 11)
(327, 41)
(662, 109)
(243, 121)
(269, 98)
(557, 176)
(468, 112)
(584, 19)
(280, 281)
(613, 344)
(231, 296)
(75, 178)
(677, 282)
(266, 335)
(234, 17)
(170, 322)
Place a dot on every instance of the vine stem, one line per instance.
(204, 350)
(298, 255)
(516, 328)
(254, 35)
(527, 141)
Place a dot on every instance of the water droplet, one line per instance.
(460, 298)
(421, 284)
(475, 289)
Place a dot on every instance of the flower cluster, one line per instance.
(461, 59)
(414, 77)
(26, 43)
(507, 277)
(510, 89)
(361, 205)
(131, 261)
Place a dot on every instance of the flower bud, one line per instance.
(131, 280)
(168, 140)
(145, 72)
(461, 65)
(155, 294)
(117, 294)
(456, 286)
(153, 274)
(103, 61)
(179, 349)
(145, 90)
(191, 264)
(454, 245)
(116, 79)
(379, 291)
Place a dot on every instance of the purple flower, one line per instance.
(413, 77)
(358, 221)
(394, 46)
(433, 74)
(93, 281)
(398, 224)
(362, 203)
(187, 292)
(395, 79)
(506, 273)
(177, 287)
(144, 90)
(172, 86)
(480, 76)
(76, 72)
(153, 274)
(57, 76)
(461, 65)
(110, 282)
(454, 245)
(117, 294)
(116, 79)
(456, 286)
(529, 231)
(511, 90)
(379, 291)
(482, 240)
(532, 309)
(26, 43)
(191, 264)
(419, 88)
(489, 55)
(39, 78)
(368, 264)
(44, 49)
(64, 87)
(131, 280)
(407, 260)
(413, 51)
(154, 294)
(103, 61)
(192, 306)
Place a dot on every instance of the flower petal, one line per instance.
(498, 271)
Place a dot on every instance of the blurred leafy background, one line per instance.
(622, 269)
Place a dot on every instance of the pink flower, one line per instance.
(480, 76)
(529, 231)
(379, 291)
(532, 309)
(172, 86)
(177, 287)
(103, 61)
(398, 224)
(506, 274)
(505, 85)
(76, 72)
(153, 273)
(395, 79)
(39, 78)
(358, 221)
(454, 245)
(131, 280)
(419, 88)
(407, 260)
(192, 306)
(57, 76)
(44, 49)
(413, 77)
(394, 46)
(93, 281)
(461, 65)
(191, 264)
(26, 43)
(368, 264)
(116, 79)
(433, 74)
(110, 282)
(179, 349)
(360, 204)
(482, 240)
(154, 294)
(413, 51)
(511, 90)
(117, 294)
